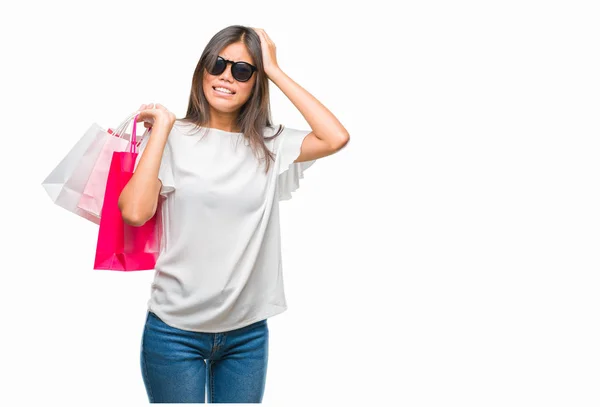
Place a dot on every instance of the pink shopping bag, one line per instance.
(120, 246)
(93, 194)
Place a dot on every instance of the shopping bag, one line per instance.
(92, 196)
(66, 182)
(120, 246)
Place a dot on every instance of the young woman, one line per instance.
(216, 177)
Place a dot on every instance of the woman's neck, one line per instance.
(224, 121)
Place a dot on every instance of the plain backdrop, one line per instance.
(448, 256)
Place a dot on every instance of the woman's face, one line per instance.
(223, 102)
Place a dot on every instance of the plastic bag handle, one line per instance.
(128, 119)
(123, 127)
(125, 123)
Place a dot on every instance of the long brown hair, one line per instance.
(255, 114)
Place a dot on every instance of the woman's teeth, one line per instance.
(223, 90)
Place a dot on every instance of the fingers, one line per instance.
(148, 113)
(262, 34)
(146, 106)
(265, 41)
(143, 107)
(259, 32)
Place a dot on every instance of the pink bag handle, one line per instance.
(120, 131)
(132, 144)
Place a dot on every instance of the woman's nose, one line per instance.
(226, 74)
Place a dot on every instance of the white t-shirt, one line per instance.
(220, 265)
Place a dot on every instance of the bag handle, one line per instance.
(125, 123)
(123, 127)
(132, 142)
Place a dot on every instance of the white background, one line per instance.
(449, 255)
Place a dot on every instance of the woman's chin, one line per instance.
(224, 106)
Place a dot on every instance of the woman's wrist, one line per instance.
(163, 127)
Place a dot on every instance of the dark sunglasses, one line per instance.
(241, 71)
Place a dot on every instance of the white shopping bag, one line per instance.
(66, 183)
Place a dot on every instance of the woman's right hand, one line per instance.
(154, 115)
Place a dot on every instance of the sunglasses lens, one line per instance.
(218, 67)
(241, 72)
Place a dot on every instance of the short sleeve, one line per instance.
(290, 173)
(165, 172)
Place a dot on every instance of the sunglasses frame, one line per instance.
(233, 63)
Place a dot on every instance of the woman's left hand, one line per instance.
(268, 51)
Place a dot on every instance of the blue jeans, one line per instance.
(178, 365)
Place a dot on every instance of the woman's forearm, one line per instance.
(322, 122)
(139, 198)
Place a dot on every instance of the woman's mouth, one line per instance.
(222, 91)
